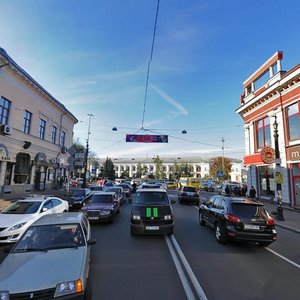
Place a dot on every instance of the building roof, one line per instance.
(10, 62)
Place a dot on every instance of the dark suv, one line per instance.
(188, 194)
(238, 219)
(151, 212)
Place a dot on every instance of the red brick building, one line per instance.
(273, 94)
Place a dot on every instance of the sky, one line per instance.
(93, 56)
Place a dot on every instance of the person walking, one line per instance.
(252, 192)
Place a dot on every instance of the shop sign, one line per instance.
(293, 153)
(278, 179)
(4, 153)
(267, 155)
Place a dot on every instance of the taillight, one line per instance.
(233, 219)
(270, 221)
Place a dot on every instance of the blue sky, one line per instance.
(92, 55)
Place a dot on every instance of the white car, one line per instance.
(50, 261)
(17, 217)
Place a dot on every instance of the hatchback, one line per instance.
(240, 219)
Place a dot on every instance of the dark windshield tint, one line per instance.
(22, 208)
(101, 199)
(189, 189)
(247, 211)
(78, 193)
(147, 198)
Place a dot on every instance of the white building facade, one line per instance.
(35, 132)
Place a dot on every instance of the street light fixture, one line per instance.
(279, 213)
(84, 185)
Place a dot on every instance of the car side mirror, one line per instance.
(91, 242)
(44, 209)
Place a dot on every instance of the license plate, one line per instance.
(93, 218)
(152, 227)
(251, 227)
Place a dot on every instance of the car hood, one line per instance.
(20, 272)
(147, 211)
(8, 220)
(98, 206)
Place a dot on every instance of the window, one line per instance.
(4, 110)
(62, 138)
(293, 115)
(53, 134)
(266, 180)
(27, 121)
(42, 129)
(263, 133)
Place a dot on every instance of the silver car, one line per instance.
(50, 260)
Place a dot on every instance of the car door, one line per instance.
(206, 209)
(214, 210)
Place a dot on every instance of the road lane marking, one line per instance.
(190, 272)
(184, 281)
(284, 258)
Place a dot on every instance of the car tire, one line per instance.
(220, 233)
(89, 293)
(201, 220)
(264, 244)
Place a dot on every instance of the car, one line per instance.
(151, 212)
(55, 251)
(127, 189)
(101, 206)
(240, 219)
(188, 194)
(97, 188)
(119, 191)
(171, 185)
(77, 197)
(150, 185)
(18, 216)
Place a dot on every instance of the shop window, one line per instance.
(22, 168)
(266, 180)
(296, 169)
(8, 173)
(293, 116)
(263, 133)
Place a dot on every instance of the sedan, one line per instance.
(17, 217)
(77, 198)
(239, 219)
(101, 206)
(55, 251)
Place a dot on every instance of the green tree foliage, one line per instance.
(141, 170)
(186, 169)
(108, 169)
(159, 172)
(217, 165)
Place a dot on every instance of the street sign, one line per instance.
(146, 138)
(220, 173)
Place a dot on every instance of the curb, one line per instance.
(288, 228)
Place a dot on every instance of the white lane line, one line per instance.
(284, 258)
(184, 281)
(190, 272)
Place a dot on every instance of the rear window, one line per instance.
(189, 189)
(149, 198)
(247, 210)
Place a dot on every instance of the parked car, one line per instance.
(240, 219)
(101, 206)
(55, 251)
(18, 216)
(188, 194)
(119, 192)
(151, 212)
(77, 198)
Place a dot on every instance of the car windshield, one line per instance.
(50, 237)
(247, 211)
(148, 198)
(78, 193)
(189, 189)
(101, 199)
(22, 207)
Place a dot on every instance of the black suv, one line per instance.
(238, 219)
(151, 212)
(188, 194)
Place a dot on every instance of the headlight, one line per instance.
(15, 227)
(136, 217)
(168, 217)
(69, 287)
(4, 295)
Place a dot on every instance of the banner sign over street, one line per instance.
(146, 138)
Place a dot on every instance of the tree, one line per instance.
(185, 169)
(140, 170)
(159, 173)
(216, 165)
(176, 170)
(108, 169)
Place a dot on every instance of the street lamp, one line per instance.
(279, 213)
(84, 185)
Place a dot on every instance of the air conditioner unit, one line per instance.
(6, 129)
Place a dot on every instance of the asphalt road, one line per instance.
(190, 264)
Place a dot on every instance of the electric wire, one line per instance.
(149, 63)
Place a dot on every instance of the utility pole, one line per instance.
(84, 185)
(223, 154)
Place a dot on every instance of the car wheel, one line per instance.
(220, 233)
(264, 244)
(201, 220)
(89, 293)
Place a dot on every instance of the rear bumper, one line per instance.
(252, 236)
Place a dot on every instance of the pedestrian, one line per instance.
(227, 190)
(252, 192)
